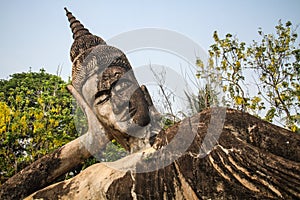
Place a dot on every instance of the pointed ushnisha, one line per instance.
(83, 39)
(77, 28)
(90, 54)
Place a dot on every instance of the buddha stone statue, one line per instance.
(103, 76)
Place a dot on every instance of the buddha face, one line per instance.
(118, 102)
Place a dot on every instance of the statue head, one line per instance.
(103, 76)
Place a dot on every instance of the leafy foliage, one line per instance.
(36, 118)
(274, 62)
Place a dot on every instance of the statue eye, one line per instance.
(101, 97)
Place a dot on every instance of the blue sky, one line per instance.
(36, 33)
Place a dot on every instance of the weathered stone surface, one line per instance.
(253, 159)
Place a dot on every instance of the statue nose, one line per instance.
(139, 108)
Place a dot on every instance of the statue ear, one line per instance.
(91, 117)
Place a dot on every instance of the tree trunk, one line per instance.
(249, 159)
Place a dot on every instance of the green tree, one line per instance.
(274, 64)
(36, 118)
